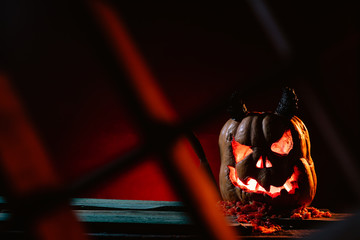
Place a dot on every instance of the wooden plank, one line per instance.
(117, 236)
(88, 203)
(134, 217)
(284, 235)
(313, 223)
(94, 203)
(4, 217)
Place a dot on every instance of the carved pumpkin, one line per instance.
(266, 156)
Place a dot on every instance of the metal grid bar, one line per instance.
(18, 141)
(197, 189)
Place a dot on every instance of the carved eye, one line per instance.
(240, 151)
(284, 145)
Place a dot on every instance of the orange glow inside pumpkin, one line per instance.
(251, 185)
(284, 145)
(260, 163)
(240, 151)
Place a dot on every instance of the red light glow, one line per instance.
(240, 151)
(252, 185)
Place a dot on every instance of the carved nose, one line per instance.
(260, 163)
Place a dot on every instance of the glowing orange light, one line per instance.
(240, 151)
(252, 185)
(268, 163)
(260, 163)
(284, 145)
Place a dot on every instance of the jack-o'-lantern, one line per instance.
(266, 157)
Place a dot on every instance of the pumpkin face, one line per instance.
(266, 157)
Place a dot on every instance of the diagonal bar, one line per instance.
(26, 169)
(271, 28)
(199, 192)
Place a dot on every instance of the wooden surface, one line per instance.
(125, 219)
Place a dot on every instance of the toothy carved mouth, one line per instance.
(253, 186)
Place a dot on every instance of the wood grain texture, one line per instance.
(135, 219)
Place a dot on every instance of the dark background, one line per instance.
(63, 70)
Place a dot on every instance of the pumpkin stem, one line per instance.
(287, 106)
(237, 108)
